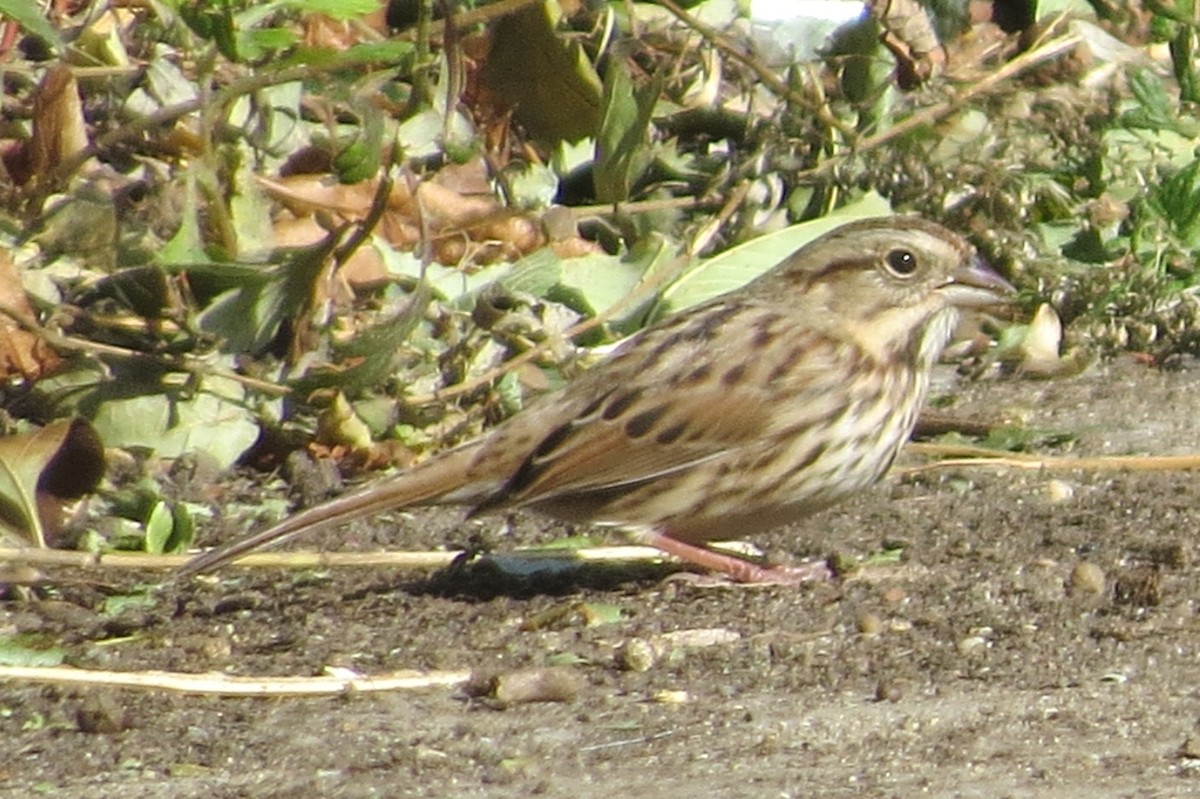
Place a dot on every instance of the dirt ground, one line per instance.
(984, 663)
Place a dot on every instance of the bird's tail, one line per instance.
(433, 481)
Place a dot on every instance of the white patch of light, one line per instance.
(838, 11)
(789, 31)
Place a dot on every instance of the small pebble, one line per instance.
(636, 654)
(870, 624)
(888, 691)
(666, 697)
(1059, 491)
(555, 684)
(1190, 749)
(1086, 579)
(972, 645)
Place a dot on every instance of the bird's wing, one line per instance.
(633, 421)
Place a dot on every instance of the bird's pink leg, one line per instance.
(736, 569)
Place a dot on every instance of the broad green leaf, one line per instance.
(250, 212)
(168, 84)
(427, 133)
(543, 75)
(183, 529)
(595, 283)
(737, 266)
(371, 354)
(532, 186)
(26, 650)
(170, 421)
(1052, 8)
(248, 316)
(360, 155)
(255, 44)
(1156, 109)
(536, 274)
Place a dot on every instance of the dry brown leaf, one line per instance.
(22, 353)
(469, 177)
(304, 194)
(45, 471)
(364, 269)
(468, 224)
(575, 247)
(72, 473)
(59, 131)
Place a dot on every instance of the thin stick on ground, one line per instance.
(216, 684)
(957, 456)
(395, 561)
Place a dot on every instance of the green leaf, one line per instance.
(1052, 8)
(739, 265)
(1156, 110)
(1178, 202)
(248, 316)
(119, 603)
(255, 44)
(187, 245)
(360, 156)
(622, 150)
(169, 528)
(212, 22)
(372, 352)
(171, 420)
(536, 274)
(338, 9)
(26, 650)
(544, 76)
(158, 528)
(594, 283)
(386, 52)
(30, 17)
(183, 529)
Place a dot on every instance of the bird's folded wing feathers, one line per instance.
(659, 433)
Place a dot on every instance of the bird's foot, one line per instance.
(735, 569)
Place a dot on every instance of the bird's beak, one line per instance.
(976, 285)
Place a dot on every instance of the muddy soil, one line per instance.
(985, 661)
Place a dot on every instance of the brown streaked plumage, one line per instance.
(752, 410)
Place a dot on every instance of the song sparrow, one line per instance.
(754, 409)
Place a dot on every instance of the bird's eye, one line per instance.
(901, 263)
